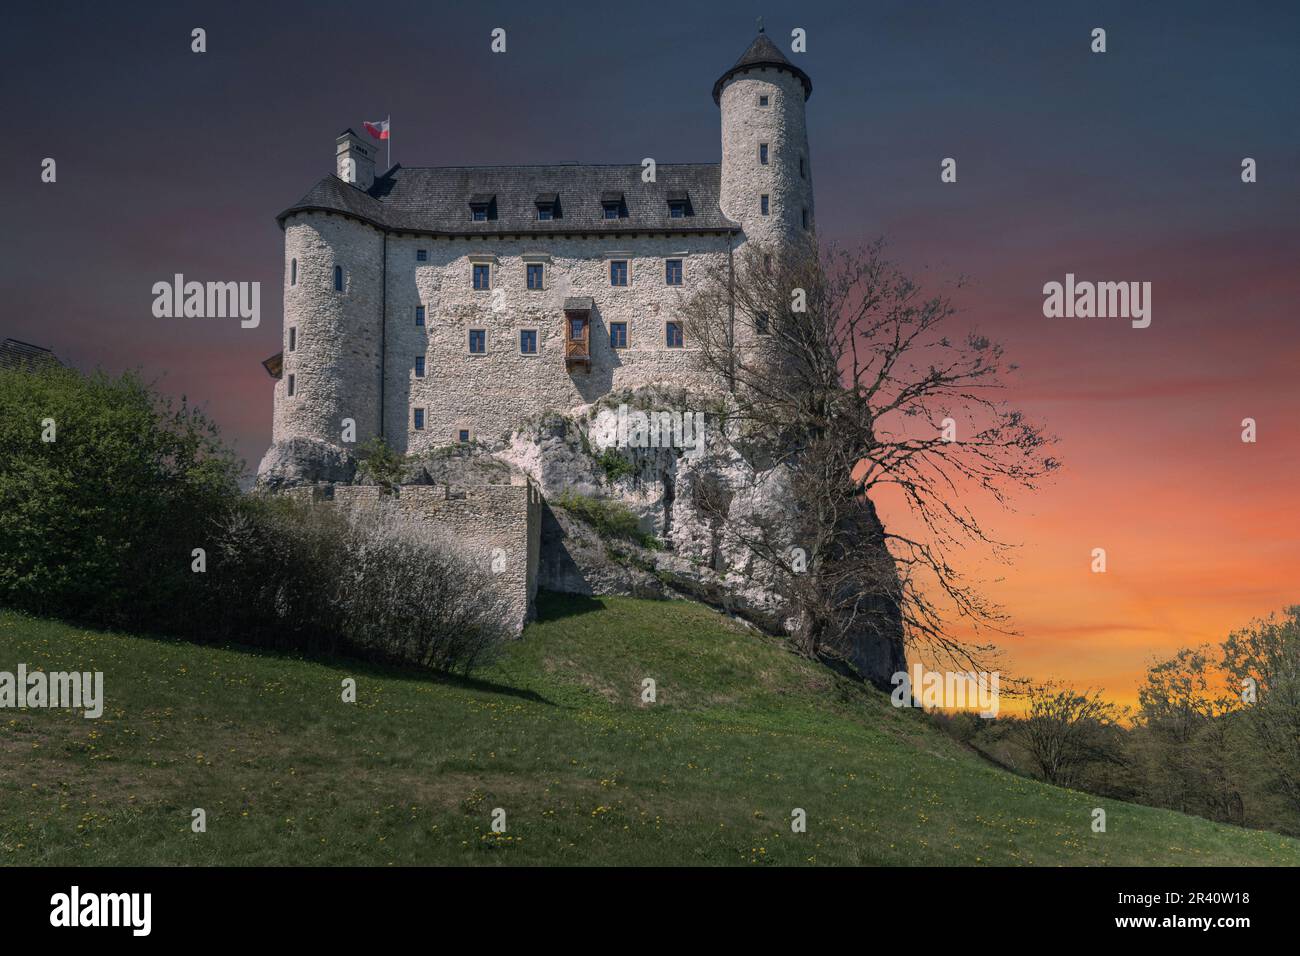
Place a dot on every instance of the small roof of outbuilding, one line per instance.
(16, 354)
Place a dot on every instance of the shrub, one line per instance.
(368, 582)
(615, 464)
(378, 464)
(610, 519)
(99, 524)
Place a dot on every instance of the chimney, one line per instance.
(356, 160)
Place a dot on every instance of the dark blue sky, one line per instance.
(1122, 166)
(176, 162)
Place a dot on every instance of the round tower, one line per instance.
(333, 318)
(766, 167)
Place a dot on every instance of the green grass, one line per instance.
(556, 734)
(609, 518)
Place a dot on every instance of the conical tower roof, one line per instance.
(762, 53)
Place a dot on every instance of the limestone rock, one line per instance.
(676, 495)
(304, 461)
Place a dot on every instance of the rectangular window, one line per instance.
(760, 323)
(480, 214)
(293, 272)
(419, 315)
(677, 210)
(673, 271)
(802, 173)
(762, 101)
(767, 264)
(763, 203)
(534, 273)
(674, 334)
(482, 275)
(611, 211)
(419, 366)
(618, 272)
(293, 338)
(528, 341)
(290, 386)
(805, 218)
(421, 255)
(762, 154)
(618, 335)
(477, 342)
(545, 213)
(419, 419)
(463, 435)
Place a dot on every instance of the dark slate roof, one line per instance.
(23, 355)
(762, 52)
(436, 200)
(579, 303)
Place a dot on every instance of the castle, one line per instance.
(439, 305)
(443, 308)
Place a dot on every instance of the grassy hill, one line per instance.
(556, 735)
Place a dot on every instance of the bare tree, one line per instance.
(1066, 731)
(842, 372)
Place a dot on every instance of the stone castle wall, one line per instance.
(499, 526)
(491, 393)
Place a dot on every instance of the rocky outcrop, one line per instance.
(304, 461)
(699, 504)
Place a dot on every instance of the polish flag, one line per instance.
(378, 130)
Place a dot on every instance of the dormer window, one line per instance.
(483, 207)
(548, 206)
(679, 204)
(613, 205)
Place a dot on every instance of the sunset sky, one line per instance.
(1123, 166)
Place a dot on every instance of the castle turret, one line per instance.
(329, 385)
(766, 168)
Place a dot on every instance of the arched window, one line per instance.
(338, 278)
(293, 272)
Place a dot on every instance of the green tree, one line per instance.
(1191, 764)
(106, 489)
(1264, 657)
